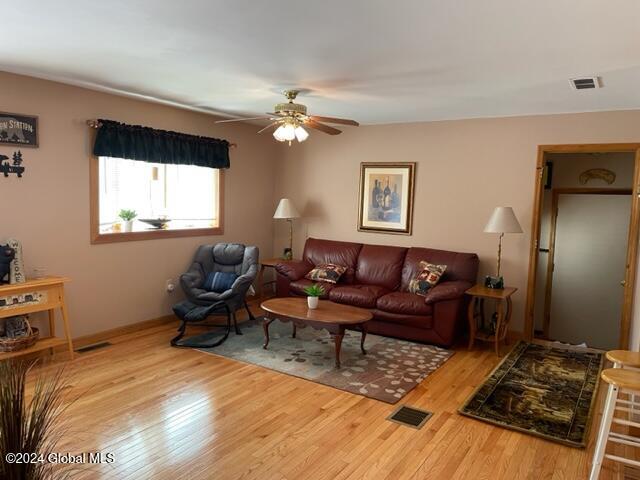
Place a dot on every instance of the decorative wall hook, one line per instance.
(15, 167)
(600, 173)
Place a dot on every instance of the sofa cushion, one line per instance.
(297, 287)
(460, 266)
(405, 303)
(327, 272)
(318, 251)
(427, 278)
(364, 296)
(380, 265)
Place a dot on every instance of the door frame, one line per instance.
(634, 229)
(555, 198)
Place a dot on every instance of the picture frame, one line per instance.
(18, 130)
(385, 199)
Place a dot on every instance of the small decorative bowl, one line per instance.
(158, 223)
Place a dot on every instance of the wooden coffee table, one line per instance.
(333, 317)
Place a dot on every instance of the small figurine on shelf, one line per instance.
(7, 254)
(16, 274)
(16, 327)
(494, 282)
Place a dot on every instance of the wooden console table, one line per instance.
(37, 295)
(478, 295)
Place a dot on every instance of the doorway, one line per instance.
(584, 248)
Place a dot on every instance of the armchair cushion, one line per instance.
(447, 291)
(294, 269)
(210, 297)
(219, 281)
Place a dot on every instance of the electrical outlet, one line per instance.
(169, 285)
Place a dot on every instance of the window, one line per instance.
(186, 196)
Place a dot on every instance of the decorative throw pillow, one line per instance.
(427, 278)
(327, 272)
(219, 281)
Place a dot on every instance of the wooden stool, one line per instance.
(620, 381)
(624, 358)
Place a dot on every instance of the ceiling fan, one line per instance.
(290, 117)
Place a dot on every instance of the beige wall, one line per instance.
(465, 169)
(48, 209)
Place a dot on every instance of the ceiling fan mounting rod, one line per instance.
(291, 94)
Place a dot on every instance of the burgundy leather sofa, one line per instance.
(377, 278)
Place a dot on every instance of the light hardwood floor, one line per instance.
(168, 413)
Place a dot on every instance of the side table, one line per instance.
(271, 263)
(479, 293)
(38, 295)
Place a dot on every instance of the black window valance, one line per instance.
(135, 142)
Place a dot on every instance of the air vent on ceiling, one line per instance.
(411, 417)
(584, 83)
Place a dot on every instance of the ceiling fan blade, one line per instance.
(268, 126)
(322, 127)
(275, 114)
(341, 121)
(241, 119)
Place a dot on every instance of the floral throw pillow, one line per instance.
(426, 279)
(327, 272)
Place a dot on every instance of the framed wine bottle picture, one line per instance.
(386, 197)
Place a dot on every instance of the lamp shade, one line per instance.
(286, 209)
(503, 220)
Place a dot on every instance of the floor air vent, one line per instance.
(94, 346)
(411, 417)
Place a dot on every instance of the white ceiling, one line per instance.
(371, 60)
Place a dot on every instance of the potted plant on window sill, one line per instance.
(127, 217)
(314, 292)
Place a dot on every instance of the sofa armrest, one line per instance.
(447, 291)
(294, 269)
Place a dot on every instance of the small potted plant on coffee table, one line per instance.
(127, 217)
(314, 292)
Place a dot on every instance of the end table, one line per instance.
(479, 293)
(271, 263)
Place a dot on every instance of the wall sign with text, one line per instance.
(18, 129)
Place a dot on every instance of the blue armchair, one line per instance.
(223, 257)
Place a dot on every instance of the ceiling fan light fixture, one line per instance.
(301, 134)
(285, 133)
(290, 117)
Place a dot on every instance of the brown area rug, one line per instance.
(547, 392)
(390, 370)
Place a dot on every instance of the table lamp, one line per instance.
(502, 221)
(287, 211)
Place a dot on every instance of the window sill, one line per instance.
(154, 234)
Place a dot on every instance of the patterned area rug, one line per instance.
(548, 392)
(390, 369)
